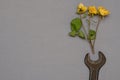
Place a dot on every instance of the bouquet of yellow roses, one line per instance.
(78, 28)
(89, 34)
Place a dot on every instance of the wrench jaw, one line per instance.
(102, 60)
(87, 60)
(98, 63)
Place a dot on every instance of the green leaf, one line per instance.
(81, 34)
(76, 24)
(91, 35)
(73, 33)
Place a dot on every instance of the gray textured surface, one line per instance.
(34, 41)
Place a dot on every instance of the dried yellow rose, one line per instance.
(102, 11)
(92, 10)
(81, 8)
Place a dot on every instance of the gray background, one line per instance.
(34, 41)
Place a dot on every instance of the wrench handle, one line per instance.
(94, 74)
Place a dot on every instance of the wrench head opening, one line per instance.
(95, 64)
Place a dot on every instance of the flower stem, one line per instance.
(84, 28)
(91, 45)
(99, 19)
(86, 36)
(89, 23)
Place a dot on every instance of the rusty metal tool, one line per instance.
(95, 66)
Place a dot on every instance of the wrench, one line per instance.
(94, 66)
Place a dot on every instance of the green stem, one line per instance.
(99, 19)
(91, 46)
(86, 35)
(89, 25)
(84, 28)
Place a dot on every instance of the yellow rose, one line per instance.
(92, 10)
(102, 11)
(81, 8)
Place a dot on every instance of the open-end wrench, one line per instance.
(94, 66)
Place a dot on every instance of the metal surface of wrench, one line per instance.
(94, 66)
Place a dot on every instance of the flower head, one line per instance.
(81, 8)
(92, 10)
(102, 11)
